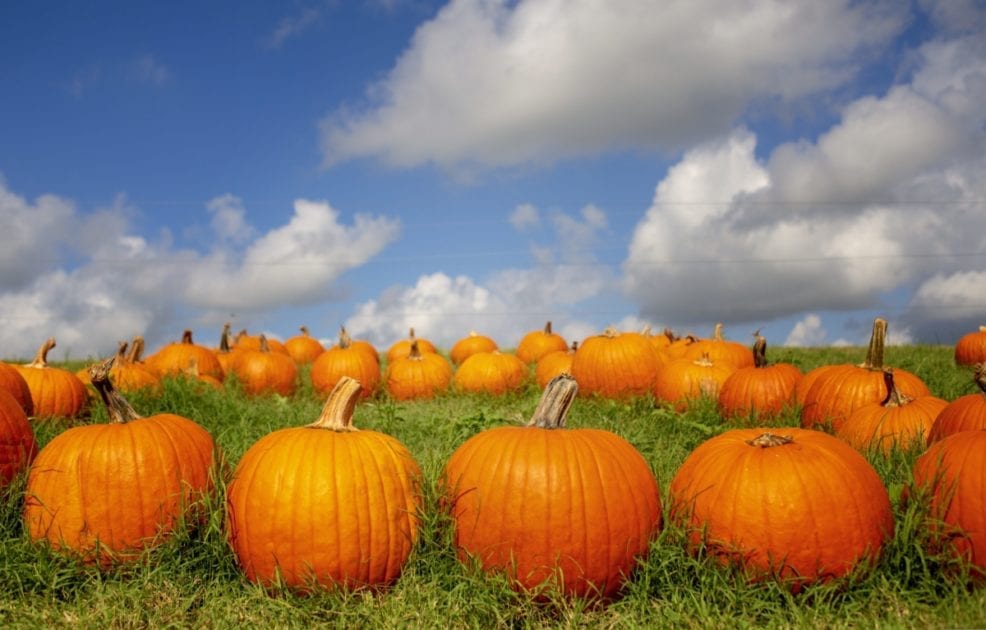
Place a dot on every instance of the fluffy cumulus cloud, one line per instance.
(87, 279)
(890, 196)
(493, 83)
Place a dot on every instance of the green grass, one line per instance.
(193, 579)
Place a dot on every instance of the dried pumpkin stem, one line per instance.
(552, 409)
(878, 341)
(118, 407)
(186, 337)
(767, 440)
(136, 349)
(337, 413)
(224, 338)
(894, 396)
(760, 351)
(41, 358)
(344, 339)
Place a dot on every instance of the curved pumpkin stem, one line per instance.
(224, 338)
(337, 413)
(760, 351)
(136, 349)
(121, 353)
(717, 332)
(304, 331)
(118, 408)
(670, 334)
(552, 409)
(878, 341)
(344, 339)
(41, 358)
(768, 439)
(894, 396)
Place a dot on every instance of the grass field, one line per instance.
(193, 580)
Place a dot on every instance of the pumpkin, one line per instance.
(364, 346)
(681, 381)
(796, 505)
(245, 341)
(762, 390)
(17, 444)
(128, 376)
(14, 384)
(573, 509)
(720, 350)
(806, 382)
(491, 372)
(304, 348)
(402, 347)
(264, 371)
(198, 379)
(470, 345)
(537, 343)
(965, 413)
(341, 360)
(54, 391)
(897, 422)
(174, 358)
(953, 472)
(837, 392)
(106, 492)
(615, 365)
(678, 347)
(553, 364)
(325, 504)
(418, 375)
(970, 349)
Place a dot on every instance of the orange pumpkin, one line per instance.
(174, 358)
(245, 341)
(14, 384)
(721, 350)
(54, 391)
(418, 375)
(264, 371)
(615, 365)
(554, 363)
(761, 390)
(491, 372)
(806, 382)
(106, 492)
(970, 349)
(342, 360)
(683, 380)
(573, 509)
(304, 348)
(841, 390)
(402, 348)
(469, 345)
(128, 376)
(325, 504)
(965, 413)
(791, 504)
(17, 444)
(538, 343)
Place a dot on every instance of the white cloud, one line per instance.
(495, 83)
(808, 332)
(292, 26)
(525, 216)
(229, 219)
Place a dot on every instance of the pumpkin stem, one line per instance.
(670, 334)
(304, 331)
(979, 375)
(117, 406)
(878, 341)
(264, 346)
(136, 349)
(121, 353)
(704, 360)
(410, 334)
(186, 337)
(344, 339)
(610, 332)
(760, 351)
(415, 352)
(894, 396)
(575, 347)
(547, 327)
(41, 358)
(224, 338)
(717, 332)
(768, 439)
(337, 413)
(553, 407)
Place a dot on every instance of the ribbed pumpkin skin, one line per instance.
(303, 348)
(875, 426)
(175, 358)
(491, 372)
(420, 375)
(721, 350)
(538, 343)
(683, 380)
(13, 383)
(553, 364)
(615, 365)
(339, 361)
(806, 382)
(965, 413)
(971, 348)
(841, 390)
(953, 470)
(805, 511)
(761, 391)
(402, 348)
(17, 444)
(535, 503)
(264, 371)
(54, 392)
(472, 344)
(125, 485)
(337, 508)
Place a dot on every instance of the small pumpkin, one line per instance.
(898, 421)
(615, 365)
(325, 504)
(174, 358)
(721, 350)
(106, 492)
(264, 371)
(54, 392)
(550, 506)
(246, 341)
(554, 363)
(342, 360)
(491, 372)
(537, 343)
(129, 376)
(791, 504)
(304, 348)
(14, 384)
(965, 413)
(402, 348)
(17, 444)
(469, 345)
(418, 375)
(681, 381)
(762, 391)
(970, 349)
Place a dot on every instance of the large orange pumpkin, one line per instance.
(17, 444)
(763, 390)
(106, 492)
(965, 413)
(469, 345)
(175, 358)
(615, 365)
(345, 359)
(797, 505)
(970, 349)
(838, 391)
(54, 391)
(418, 375)
(325, 504)
(953, 471)
(552, 507)
(14, 384)
(491, 372)
(264, 371)
(538, 343)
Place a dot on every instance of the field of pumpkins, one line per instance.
(630, 479)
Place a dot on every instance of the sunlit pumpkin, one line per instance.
(762, 390)
(17, 444)
(615, 365)
(720, 350)
(554, 363)
(970, 349)
(265, 371)
(345, 359)
(54, 392)
(469, 345)
(537, 343)
(175, 358)
(681, 381)
(965, 413)
(14, 384)
(490, 372)
(402, 347)
(304, 348)
(418, 375)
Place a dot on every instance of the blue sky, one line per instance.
(794, 167)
